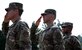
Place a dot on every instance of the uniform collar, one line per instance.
(67, 35)
(14, 23)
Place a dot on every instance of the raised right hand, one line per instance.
(8, 16)
(38, 21)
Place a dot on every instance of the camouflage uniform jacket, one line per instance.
(49, 39)
(2, 41)
(17, 36)
(72, 43)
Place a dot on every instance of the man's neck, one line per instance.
(67, 34)
(49, 24)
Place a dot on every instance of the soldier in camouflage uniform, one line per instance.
(17, 35)
(71, 41)
(2, 41)
(50, 38)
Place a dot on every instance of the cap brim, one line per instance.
(66, 26)
(43, 14)
(6, 9)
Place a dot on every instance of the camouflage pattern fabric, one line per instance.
(49, 39)
(17, 36)
(72, 43)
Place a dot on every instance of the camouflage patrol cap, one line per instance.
(15, 5)
(67, 24)
(49, 11)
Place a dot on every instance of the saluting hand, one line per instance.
(38, 21)
(8, 16)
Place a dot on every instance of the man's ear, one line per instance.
(52, 18)
(16, 10)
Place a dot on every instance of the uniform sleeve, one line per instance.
(34, 36)
(5, 27)
(57, 39)
(33, 31)
(24, 38)
(75, 43)
(2, 41)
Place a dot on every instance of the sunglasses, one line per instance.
(64, 26)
